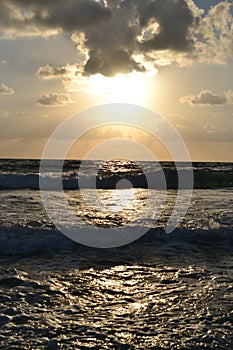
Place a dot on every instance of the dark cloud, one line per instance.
(175, 19)
(118, 61)
(111, 28)
(66, 15)
(54, 100)
(207, 97)
(114, 45)
(121, 36)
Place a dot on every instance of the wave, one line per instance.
(155, 180)
(20, 240)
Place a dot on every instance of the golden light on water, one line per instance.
(111, 208)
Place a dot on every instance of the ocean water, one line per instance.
(163, 291)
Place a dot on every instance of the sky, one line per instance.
(60, 57)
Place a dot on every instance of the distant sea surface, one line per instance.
(164, 291)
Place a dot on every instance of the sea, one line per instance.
(164, 290)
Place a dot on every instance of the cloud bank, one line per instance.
(122, 36)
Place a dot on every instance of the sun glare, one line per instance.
(126, 88)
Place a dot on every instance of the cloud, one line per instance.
(209, 98)
(69, 74)
(138, 29)
(110, 29)
(215, 32)
(174, 20)
(54, 100)
(6, 90)
(122, 36)
(32, 17)
(53, 72)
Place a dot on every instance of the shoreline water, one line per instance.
(117, 299)
(163, 291)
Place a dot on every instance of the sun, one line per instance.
(122, 88)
